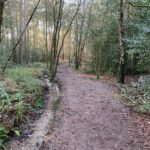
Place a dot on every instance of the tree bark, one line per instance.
(20, 58)
(2, 3)
(12, 30)
(46, 34)
(122, 43)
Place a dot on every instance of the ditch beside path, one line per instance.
(92, 117)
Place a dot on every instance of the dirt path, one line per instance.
(93, 118)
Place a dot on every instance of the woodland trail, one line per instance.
(92, 117)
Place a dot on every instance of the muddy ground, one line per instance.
(93, 117)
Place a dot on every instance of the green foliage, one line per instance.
(18, 96)
(137, 39)
(3, 92)
(36, 55)
(39, 103)
(20, 92)
(38, 65)
(4, 97)
(104, 39)
(16, 131)
(10, 103)
(20, 112)
(3, 136)
(138, 95)
(25, 78)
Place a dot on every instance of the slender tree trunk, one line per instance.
(122, 43)
(2, 2)
(70, 46)
(11, 13)
(46, 34)
(26, 40)
(57, 18)
(28, 46)
(20, 31)
(80, 38)
(76, 43)
(20, 37)
(56, 37)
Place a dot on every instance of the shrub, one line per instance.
(138, 95)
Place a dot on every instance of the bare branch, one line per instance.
(64, 37)
(18, 41)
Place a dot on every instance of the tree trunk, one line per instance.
(80, 38)
(56, 38)
(122, 43)
(12, 30)
(2, 2)
(20, 31)
(26, 40)
(46, 34)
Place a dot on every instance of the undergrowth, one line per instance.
(137, 95)
(21, 93)
(55, 103)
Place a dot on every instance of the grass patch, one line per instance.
(40, 103)
(25, 78)
(21, 92)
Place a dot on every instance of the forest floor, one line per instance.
(93, 117)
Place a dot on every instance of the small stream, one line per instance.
(42, 126)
